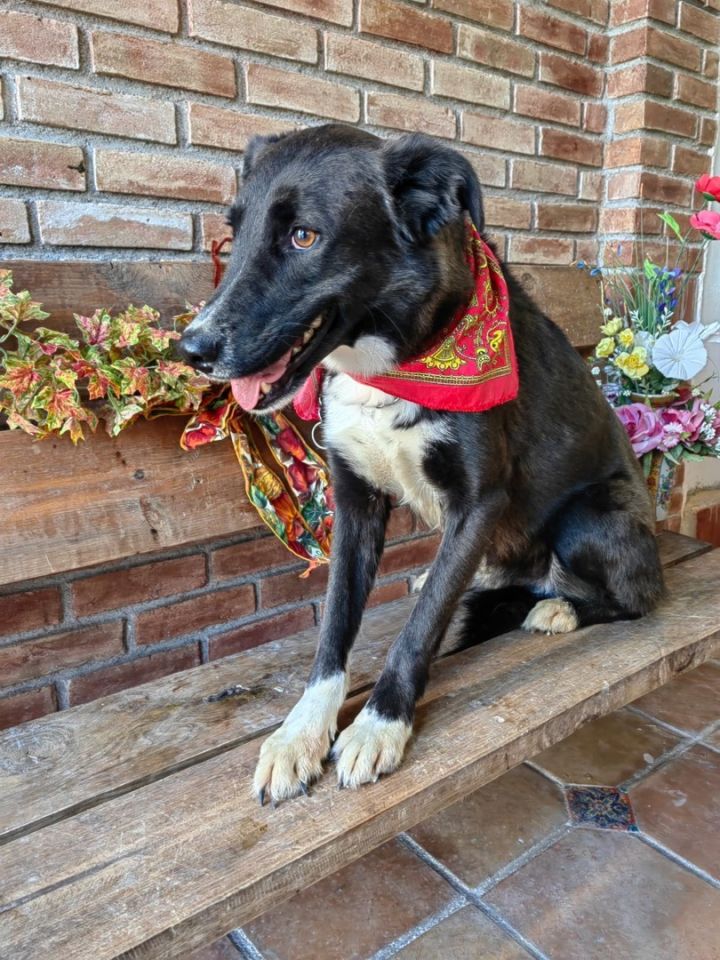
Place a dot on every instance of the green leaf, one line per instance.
(670, 221)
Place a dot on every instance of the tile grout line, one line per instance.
(678, 731)
(414, 933)
(676, 858)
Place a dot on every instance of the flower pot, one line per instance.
(655, 400)
(661, 479)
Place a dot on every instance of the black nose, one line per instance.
(200, 350)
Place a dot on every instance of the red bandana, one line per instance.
(470, 367)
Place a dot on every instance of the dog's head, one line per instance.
(344, 245)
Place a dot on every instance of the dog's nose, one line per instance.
(199, 349)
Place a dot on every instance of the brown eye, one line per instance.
(302, 238)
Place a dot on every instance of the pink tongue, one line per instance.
(246, 390)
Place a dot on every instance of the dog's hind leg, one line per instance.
(490, 613)
(293, 756)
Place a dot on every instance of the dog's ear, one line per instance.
(255, 148)
(431, 185)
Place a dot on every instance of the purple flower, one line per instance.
(642, 427)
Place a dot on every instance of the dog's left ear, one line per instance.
(431, 185)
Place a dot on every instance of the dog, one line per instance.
(350, 251)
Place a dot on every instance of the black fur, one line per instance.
(545, 489)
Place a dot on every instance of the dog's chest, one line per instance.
(364, 426)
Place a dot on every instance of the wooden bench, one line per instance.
(127, 826)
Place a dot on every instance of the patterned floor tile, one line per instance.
(690, 702)
(353, 913)
(598, 895)
(607, 751)
(606, 808)
(679, 805)
(494, 825)
(466, 935)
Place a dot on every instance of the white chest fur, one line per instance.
(359, 422)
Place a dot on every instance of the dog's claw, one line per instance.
(304, 788)
(261, 796)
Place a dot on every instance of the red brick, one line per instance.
(162, 62)
(647, 151)
(700, 93)
(708, 528)
(564, 72)
(38, 39)
(515, 214)
(31, 659)
(661, 189)
(402, 113)
(572, 147)
(214, 226)
(587, 250)
(591, 185)
(401, 523)
(474, 86)
(387, 592)
(672, 48)
(540, 250)
(595, 10)
(543, 177)
(295, 91)
(292, 588)
(640, 78)
(194, 614)
(101, 111)
(711, 64)
(14, 225)
(373, 61)
(336, 11)
(700, 23)
(248, 558)
(163, 175)
(24, 707)
(30, 610)
(157, 14)
(109, 680)
(235, 26)
(34, 163)
(531, 101)
(409, 555)
(629, 220)
(688, 162)
(629, 46)
(163, 578)
(396, 21)
(490, 169)
(86, 224)
(567, 217)
(492, 50)
(498, 133)
(598, 48)
(623, 185)
(594, 117)
(261, 631)
(626, 11)
(499, 13)
(229, 130)
(648, 115)
(553, 32)
(708, 131)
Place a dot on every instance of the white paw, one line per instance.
(369, 747)
(292, 757)
(552, 616)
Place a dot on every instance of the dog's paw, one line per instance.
(552, 616)
(368, 748)
(292, 757)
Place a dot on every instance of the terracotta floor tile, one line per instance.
(679, 805)
(599, 895)
(353, 913)
(494, 825)
(607, 751)
(689, 702)
(220, 950)
(466, 935)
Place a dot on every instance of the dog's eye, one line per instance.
(302, 238)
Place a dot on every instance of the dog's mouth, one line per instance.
(258, 390)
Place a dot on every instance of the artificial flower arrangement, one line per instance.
(646, 357)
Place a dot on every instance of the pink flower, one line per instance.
(708, 186)
(680, 424)
(707, 222)
(642, 427)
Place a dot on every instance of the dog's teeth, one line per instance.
(307, 336)
(317, 323)
(265, 388)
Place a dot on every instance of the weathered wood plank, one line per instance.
(65, 762)
(64, 507)
(179, 862)
(676, 547)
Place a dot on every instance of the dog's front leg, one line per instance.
(292, 757)
(375, 742)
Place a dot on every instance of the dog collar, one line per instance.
(470, 367)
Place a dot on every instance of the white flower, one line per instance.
(679, 354)
(706, 331)
(647, 342)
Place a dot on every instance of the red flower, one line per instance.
(707, 222)
(709, 187)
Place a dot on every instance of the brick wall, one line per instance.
(122, 124)
(75, 637)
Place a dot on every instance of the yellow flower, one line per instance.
(633, 364)
(605, 347)
(626, 338)
(612, 326)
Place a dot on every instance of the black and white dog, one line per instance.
(348, 252)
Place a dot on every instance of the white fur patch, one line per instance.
(367, 357)
(552, 616)
(293, 755)
(369, 747)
